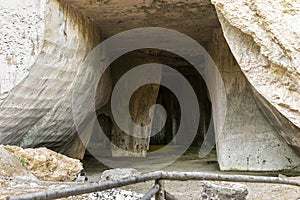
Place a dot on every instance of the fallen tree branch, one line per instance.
(184, 176)
(152, 192)
(176, 176)
(87, 188)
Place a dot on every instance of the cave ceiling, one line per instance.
(195, 18)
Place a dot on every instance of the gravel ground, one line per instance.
(191, 190)
(181, 189)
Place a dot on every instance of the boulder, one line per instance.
(115, 193)
(46, 164)
(119, 173)
(12, 166)
(223, 191)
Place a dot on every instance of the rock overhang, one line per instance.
(195, 18)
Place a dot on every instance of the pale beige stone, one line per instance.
(264, 37)
(12, 166)
(46, 164)
(247, 141)
(38, 111)
(22, 27)
(118, 173)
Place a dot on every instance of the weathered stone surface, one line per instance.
(46, 164)
(17, 179)
(129, 145)
(12, 166)
(115, 194)
(37, 112)
(264, 22)
(247, 140)
(223, 191)
(194, 18)
(142, 99)
(264, 38)
(21, 32)
(118, 173)
(114, 175)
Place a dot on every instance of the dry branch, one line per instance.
(151, 193)
(88, 188)
(184, 176)
(158, 176)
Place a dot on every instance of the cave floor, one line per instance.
(192, 189)
(180, 189)
(189, 161)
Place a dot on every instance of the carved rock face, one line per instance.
(264, 38)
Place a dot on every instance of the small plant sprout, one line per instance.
(22, 160)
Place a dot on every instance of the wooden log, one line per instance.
(160, 195)
(159, 177)
(184, 176)
(87, 188)
(151, 193)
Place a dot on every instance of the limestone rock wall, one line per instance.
(264, 38)
(22, 27)
(247, 140)
(37, 111)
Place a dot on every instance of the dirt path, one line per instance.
(192, 189)
(182, 190)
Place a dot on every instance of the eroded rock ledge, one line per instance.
(264, 37)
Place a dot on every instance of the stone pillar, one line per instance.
(247, 141)
(125, 144)
(142, 100)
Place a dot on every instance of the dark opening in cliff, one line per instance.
(164, 97)
(196, 19)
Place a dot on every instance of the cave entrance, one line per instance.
(196, 19)
(192, 18)
(148, 95)
(169, 101)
